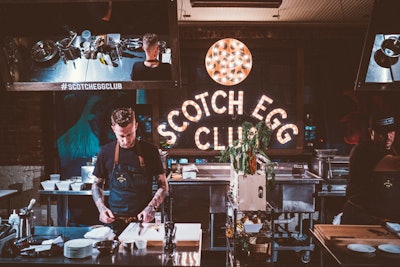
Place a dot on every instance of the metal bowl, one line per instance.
(44, 51)
(107, 246)
(391, 47)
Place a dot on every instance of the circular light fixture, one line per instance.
(228, 61)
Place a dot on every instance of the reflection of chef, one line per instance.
(151, 68)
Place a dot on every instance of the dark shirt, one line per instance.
(105, 159)
(141, 72)
(363, 159)
(370, 200)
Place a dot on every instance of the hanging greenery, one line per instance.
(243, 152)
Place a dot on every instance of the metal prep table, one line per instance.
(290, 198)
(64, 198)
(202, 199)
(293, 199)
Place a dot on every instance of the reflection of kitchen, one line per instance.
(77, 57)
(384, 65)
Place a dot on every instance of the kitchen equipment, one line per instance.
(335, 167)
(87, 174)
(107, 246)
(49, 184)
(78, 248)
(24, 220)
(293, 192)
(187, 234)
(77, 186)
(141, 243)
(67, 49)
(86, 35)
(63, 185)
(55, 177)
(391, 46)
(44, 51)
(361, 248)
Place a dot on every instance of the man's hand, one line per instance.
(147, 215)
(106, 216)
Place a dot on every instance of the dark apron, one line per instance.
(130, 187)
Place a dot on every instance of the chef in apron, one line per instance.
(128, 165)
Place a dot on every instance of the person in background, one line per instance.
(128, 166)
(373, 190)
(151, 68)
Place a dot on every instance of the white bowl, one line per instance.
(141, 243)
(77, 186)
(49, 184)
(63, 185)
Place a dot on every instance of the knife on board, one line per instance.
(140, 227)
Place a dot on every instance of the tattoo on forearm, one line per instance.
(98, 193)
(161, 193)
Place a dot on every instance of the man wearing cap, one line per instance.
(373, 189)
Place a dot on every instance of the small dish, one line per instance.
(389, 248)
(77, 186)
(63, 185)
(107, 246)
(361, 248)
(141, 243)
(49, 184)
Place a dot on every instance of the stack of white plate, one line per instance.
(78, 248)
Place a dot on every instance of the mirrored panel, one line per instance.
(58, 45)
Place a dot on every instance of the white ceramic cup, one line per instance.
(141, 243)
(55, 177)
(86, 34)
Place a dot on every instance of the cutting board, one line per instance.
(345, 234)
(187, 234)
(329, 231)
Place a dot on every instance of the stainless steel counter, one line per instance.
(152, 256)
(201, 199)
(64, 197)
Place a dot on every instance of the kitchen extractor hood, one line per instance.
(237, 3)
(379, 68)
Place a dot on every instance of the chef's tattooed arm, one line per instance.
(105, 214)
(161, 193)
(98, 193)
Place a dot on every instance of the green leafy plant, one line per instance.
(243, 152)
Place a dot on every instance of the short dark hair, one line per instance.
(122, 116)
(149, 40)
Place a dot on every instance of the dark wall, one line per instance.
(22, 128)
(331, 58)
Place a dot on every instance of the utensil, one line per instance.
(379, 233)
(141, 227)
(107, 246)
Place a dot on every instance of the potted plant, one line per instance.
(243, 153)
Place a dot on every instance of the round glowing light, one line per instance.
(231, 61)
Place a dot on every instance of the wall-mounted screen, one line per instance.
(380, 65)
(58, 45)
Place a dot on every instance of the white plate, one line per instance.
(361, 248)
(389, 248)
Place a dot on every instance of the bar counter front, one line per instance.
(126, 254)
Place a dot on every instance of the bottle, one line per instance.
(13, 220)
